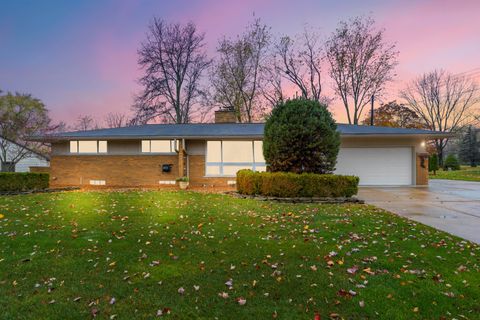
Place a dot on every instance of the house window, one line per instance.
(97, 182)
(159, 146)
(88, 146)
(225, 158)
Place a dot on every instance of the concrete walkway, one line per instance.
(448, 205)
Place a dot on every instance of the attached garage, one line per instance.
(385, 166)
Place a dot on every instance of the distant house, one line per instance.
(211, 154)
(31, 158)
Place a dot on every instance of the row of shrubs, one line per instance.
(23, 181)
(288, 185)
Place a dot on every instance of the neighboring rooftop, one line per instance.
(219, 130)
(38, 153)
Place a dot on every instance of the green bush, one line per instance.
(23, 181)
(301, 136)
(451, 163)
(290, 185)
(433, 163)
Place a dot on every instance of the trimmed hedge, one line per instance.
(290, 185)
(23, 181)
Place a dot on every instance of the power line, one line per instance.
(477, 69)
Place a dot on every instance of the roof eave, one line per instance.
(401, 135)
(427, 135)
(203, 137)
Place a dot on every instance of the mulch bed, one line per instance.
(325, 200)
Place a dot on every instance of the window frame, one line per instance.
(77, 147)
(174, 144)
(251, 165)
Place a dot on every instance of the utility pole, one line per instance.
(371, 110)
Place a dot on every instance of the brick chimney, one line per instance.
(225, 116)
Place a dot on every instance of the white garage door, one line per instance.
(377, 166)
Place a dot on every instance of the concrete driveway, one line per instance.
(451, 206)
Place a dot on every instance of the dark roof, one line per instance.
(219, 130)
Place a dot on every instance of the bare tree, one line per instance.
(21, 116)
(299, 62)
(236, 77)
(272, 90)
(116, 120)
(361, 63)
(173, 58)
(443, 102)
(84, 123)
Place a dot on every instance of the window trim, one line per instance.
(253, 164)
(173, 147)
(77, 147)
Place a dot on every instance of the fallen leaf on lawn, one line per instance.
(161, 312)
(352, 270)
(94, 312)
(369, 271)
(241, 301)
(462, 268)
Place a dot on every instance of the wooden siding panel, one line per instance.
(422, 172)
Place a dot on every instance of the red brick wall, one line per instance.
(126, 171)
(197, 173)
(117, 171)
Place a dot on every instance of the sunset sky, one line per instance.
(79, 57)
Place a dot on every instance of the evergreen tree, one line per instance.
(433, 163)
(301, 136)
(470, 148)
(451, 163)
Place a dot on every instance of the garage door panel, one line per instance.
(377, 166)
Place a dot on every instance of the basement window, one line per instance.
(97, 182)
(88, 146)
(159, 146)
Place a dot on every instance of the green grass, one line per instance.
(65, 255)
(465, 173)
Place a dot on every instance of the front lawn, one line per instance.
(465, 173)
(186, 255)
